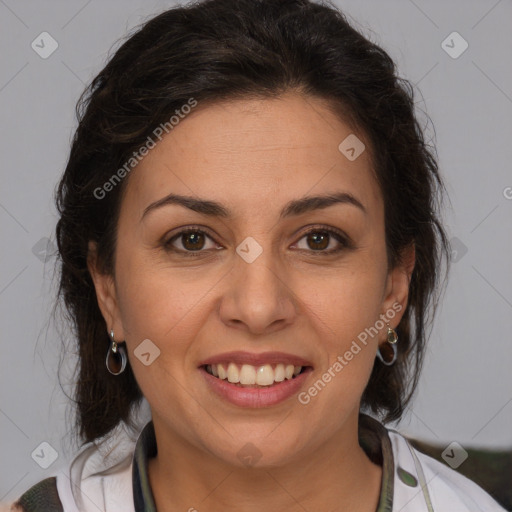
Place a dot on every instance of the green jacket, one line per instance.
(42, 497)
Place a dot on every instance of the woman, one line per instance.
(250, 241)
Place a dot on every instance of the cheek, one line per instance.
(158, 303)
(347, 302)
(349, 352)
(163, 304)
(165, 307)
(346, 309)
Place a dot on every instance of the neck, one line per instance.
(334, 476)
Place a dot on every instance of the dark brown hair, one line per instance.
(218, 50)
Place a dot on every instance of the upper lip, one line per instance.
(240, 357)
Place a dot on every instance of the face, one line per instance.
(260, 271)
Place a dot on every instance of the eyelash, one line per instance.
(345, 242)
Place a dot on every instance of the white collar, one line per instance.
(439, 488)
(100, 476)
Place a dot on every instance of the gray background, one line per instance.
(465, 393)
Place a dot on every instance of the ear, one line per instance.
(106, 294)
(397, 285)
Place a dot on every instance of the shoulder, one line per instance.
(437, 485)
(43, 496)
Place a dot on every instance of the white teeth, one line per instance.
(222, 373)
(248, 375)
(265, 375)
(233, 373)
(279, 373)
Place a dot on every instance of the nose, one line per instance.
(259, 297)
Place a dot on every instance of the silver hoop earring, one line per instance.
(116, 357)
(388, 352)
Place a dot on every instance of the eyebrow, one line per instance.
(292, 208)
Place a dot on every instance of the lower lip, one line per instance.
(256, 397)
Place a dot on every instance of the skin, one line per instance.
(245, 155)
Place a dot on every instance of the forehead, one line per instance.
(254, 152)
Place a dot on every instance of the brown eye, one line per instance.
(319, 240)
(193, 241)
(189, 241)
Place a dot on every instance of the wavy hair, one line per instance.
(217, 50)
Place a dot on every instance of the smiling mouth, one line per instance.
(249, 376)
